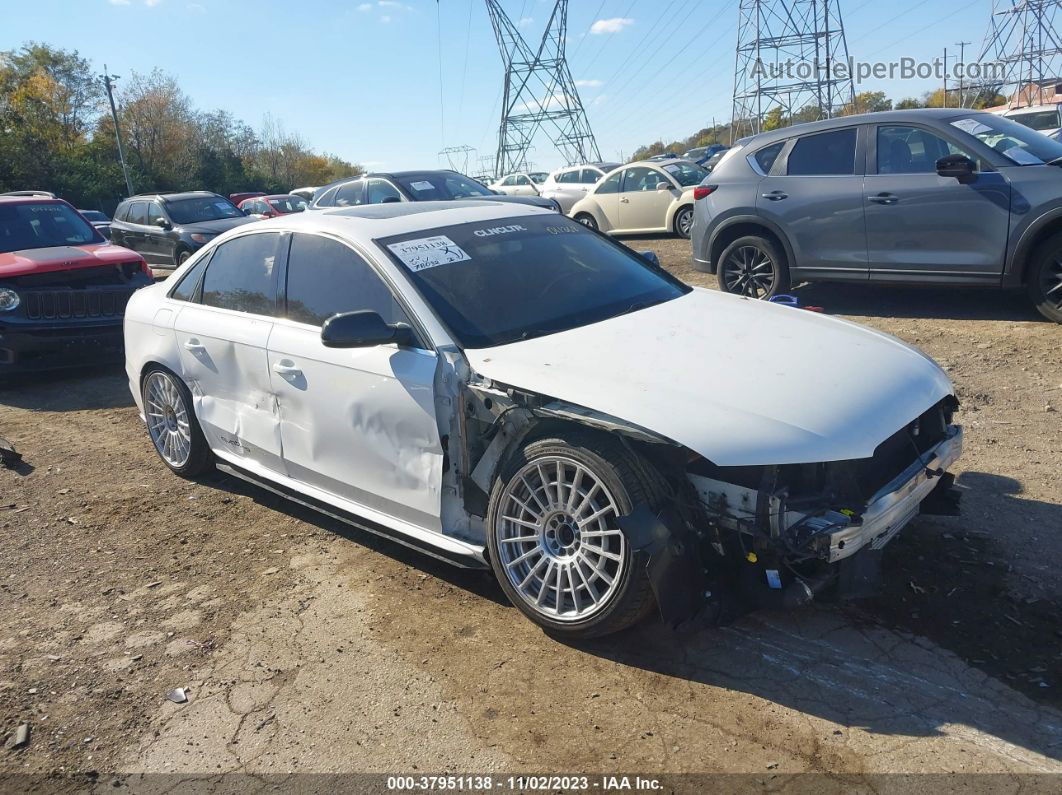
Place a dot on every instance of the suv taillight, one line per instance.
(703, 191)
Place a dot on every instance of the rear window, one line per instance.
(764, 158)
(826, 154)
(25, 226)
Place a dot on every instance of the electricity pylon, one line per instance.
(539, 92)
(789, 62)
(1023, 39)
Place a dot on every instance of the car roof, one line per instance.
(369, 221)
(175, 196)
(657, 163)
(911, 116)
(32, 199)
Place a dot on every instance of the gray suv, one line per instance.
(939, 196)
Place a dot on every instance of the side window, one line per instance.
(326, 278)
(380, 191)
(119, 211)
(138, 213)
(610, 184)
(185, 289)
(522, 180)
(154, 213)
(589, 176)
(640, 178)
(568, 177)
(825, 154)
(328, 199)
(911, 150)
(765, 157)
(350, 194)
(508, 182)
(240, 275)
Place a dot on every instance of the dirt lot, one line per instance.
(306, 645)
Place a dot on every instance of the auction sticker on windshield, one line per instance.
(428, 252)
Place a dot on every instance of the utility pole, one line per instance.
(945, 77)
(962, 76)
(108, 80)
(787, 61)
(1024, 40)
(539, 91)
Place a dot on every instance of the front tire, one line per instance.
(587, 220)
(684, 222)
(753, 267)
(1044, 284)
(182, 257)
(553, 537)
(172, 424)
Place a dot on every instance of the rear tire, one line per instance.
(182, 257)
(553, 537)
(684, 222)
(587, 220)
(753, 267)
(1044, 284)
(172, 425)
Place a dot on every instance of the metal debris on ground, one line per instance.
(177, 695)
(21, 736)
(9, 456)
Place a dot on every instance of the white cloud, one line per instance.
(614, 25)
(197, 8)
(588, 83)
(390, 4)
(365, 7)
(385, 19)
(152, 3)
(119, 2)
(524, 22)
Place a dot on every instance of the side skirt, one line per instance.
(472, 559)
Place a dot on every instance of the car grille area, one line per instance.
(71, 304)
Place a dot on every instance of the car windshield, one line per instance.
(685, 174)
(1040, 120)
(1014, 141)
(501, 281)
(288, 204)
(94, 215)
(201, 208)
(441, 186)
(538, 177)
(43, 225)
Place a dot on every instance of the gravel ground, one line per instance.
(305, 645)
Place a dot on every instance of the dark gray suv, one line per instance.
(939, 196)
(165, 228)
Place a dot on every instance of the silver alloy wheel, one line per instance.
(1051, 283)
(558, 540)
(167, 419)
(587, 221)
(749, 271)
(685, 222)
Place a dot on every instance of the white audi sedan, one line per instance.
(501, 387)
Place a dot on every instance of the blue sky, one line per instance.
(361, 78)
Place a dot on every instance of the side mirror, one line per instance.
(959, 167)
(364, 329)
(650, 257)
(162, 223)
(663, 186)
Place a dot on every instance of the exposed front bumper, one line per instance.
(32, 347)
(898, 501)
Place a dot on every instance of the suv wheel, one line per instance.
(553, 537)
(753, 267)
(1045, 279)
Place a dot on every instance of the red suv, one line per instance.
(63, 287)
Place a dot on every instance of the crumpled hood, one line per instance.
(741, 382)
(61, 258)
(218, 226)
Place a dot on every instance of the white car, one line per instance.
(643, 197)
(499, 386)
(568, 185)
(524, 183)
(1042, 118)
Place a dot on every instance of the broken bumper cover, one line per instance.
(897, 503)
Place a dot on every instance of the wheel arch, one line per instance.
(679, 206)
(742, 226)
(1038, 232)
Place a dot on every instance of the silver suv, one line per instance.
(938, 196)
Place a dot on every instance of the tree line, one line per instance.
(865, 102)
(57, 134)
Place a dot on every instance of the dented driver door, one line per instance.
(357, 423)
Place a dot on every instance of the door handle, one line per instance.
(194, 345)
(286, 368)
(625, 201)
(775, 196)
(884, 198)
